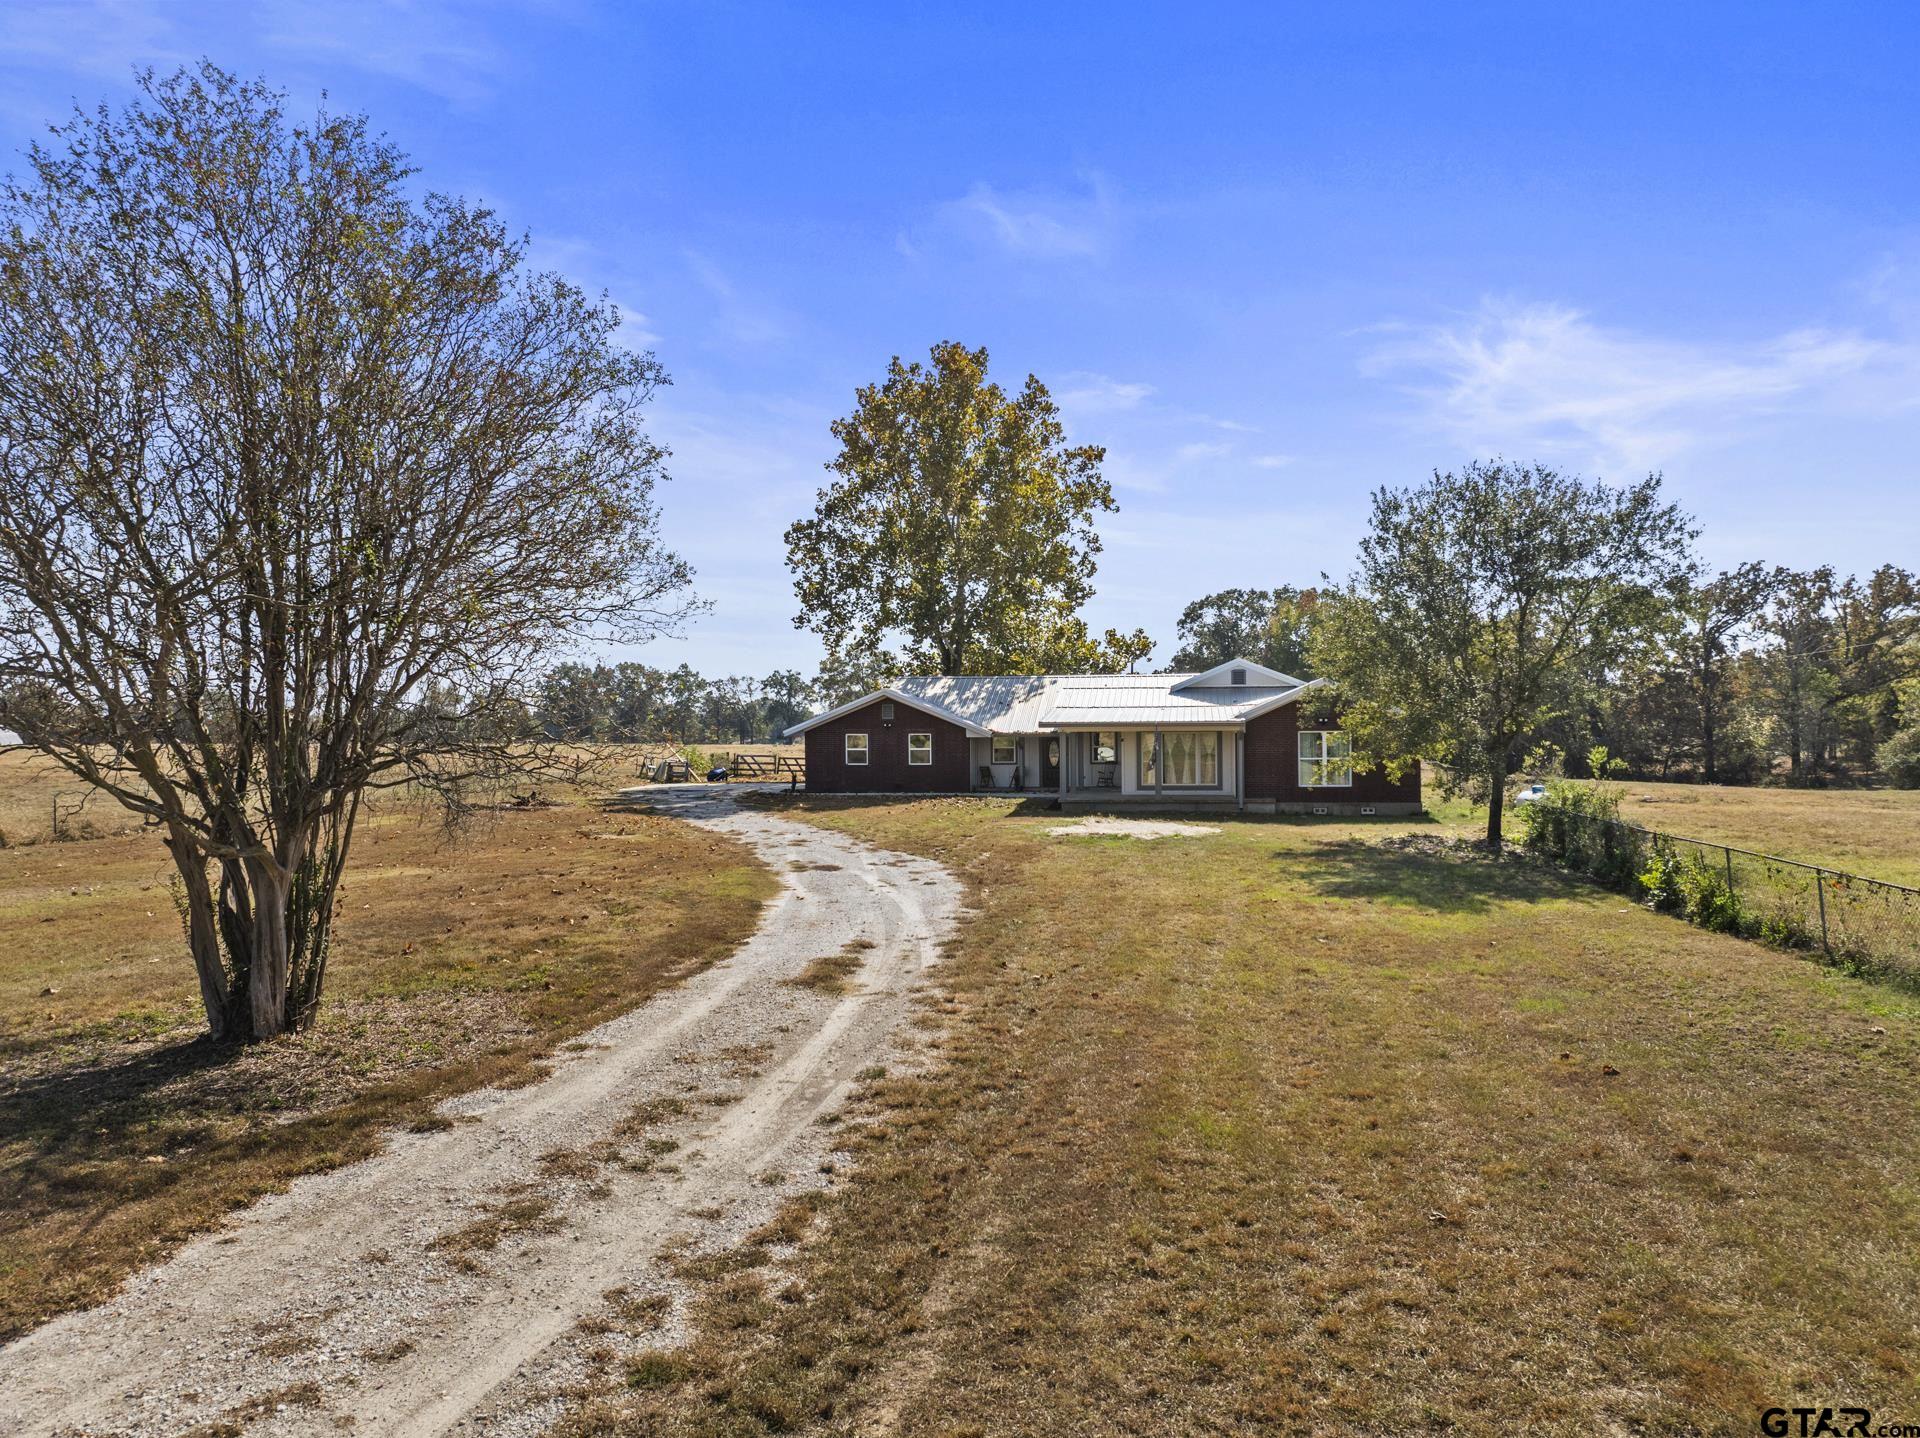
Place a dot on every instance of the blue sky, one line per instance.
(1271, 256)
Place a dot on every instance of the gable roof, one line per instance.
(899, 696)
(985, 704)
(1103, 701)
(1221, 675)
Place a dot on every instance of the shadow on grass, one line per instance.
(1445, 878)
(99, 1109)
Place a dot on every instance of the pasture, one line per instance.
(458, 962)
(1332, 1128)
(1872, 832)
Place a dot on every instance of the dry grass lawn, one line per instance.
(1874, 832)
(457, 963)
(1286, 1129)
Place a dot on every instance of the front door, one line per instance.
(1050, 768)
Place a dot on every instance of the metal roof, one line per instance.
(1129, 700)
(1031, 703)
(999, 703)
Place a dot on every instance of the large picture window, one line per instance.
(1186, 759)
(856, 748)
(1326, 759)
(1006, 749)
(919, 748)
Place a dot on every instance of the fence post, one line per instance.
(1729, 853)
(1820, 888)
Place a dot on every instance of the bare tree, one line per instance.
(302, 480)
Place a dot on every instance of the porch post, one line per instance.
(1159, 763)
(1065, 741)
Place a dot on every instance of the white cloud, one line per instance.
(435, 45)
(102, 38)
(444, 47)
(1089, 393)
(1273, 461)
(1036, 224)
(1546, 378)
(740, 321)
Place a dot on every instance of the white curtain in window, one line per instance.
(1192, 759)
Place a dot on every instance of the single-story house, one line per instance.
(1231, 737)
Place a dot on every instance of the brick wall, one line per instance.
(886, 768)
(1273, 767)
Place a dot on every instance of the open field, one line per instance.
(1872, 832)
(457, 963)
(33, 790)
(1286, 1127)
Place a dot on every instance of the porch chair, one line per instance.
(986, 776)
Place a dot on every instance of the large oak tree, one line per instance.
(1485, 604)
(302, 481)
(962, 520)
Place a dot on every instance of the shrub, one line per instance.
(1899, 758)
(1578, 826)
(1706, 897)
(1659, 877)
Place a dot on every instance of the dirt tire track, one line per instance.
(344, 1266)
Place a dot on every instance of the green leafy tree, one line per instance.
(1711, 621)
(786, 694)
(1483, 604)
(960, 519)
(1268, 626)
(302, 479)
(847, 673)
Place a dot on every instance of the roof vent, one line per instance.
(1239, 676)
(886, 712)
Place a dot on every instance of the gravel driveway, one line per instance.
(442, 1286)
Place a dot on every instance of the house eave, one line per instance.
(973, 731)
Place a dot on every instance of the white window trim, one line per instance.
(1146, 757)
(866, 749)
(1303, 761)
(927, 753)
(1012, 742)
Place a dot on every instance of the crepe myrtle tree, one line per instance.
(302, 481)
(1484, 606)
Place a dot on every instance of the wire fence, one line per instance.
(1865, 925)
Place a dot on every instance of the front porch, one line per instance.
(1168, 767)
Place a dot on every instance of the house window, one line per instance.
(856, 748)
(1184, 759)
(1326, 759)
(919, 748)
(1006, 749)
(1106, 748)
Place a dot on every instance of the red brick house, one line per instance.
(1232, 737)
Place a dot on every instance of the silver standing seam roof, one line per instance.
(1032, 704)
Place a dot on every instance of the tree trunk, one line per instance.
(203, 936)
(1496, 805)
(271, 883)
(1707, 745)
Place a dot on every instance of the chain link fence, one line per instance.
(1865, 925)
